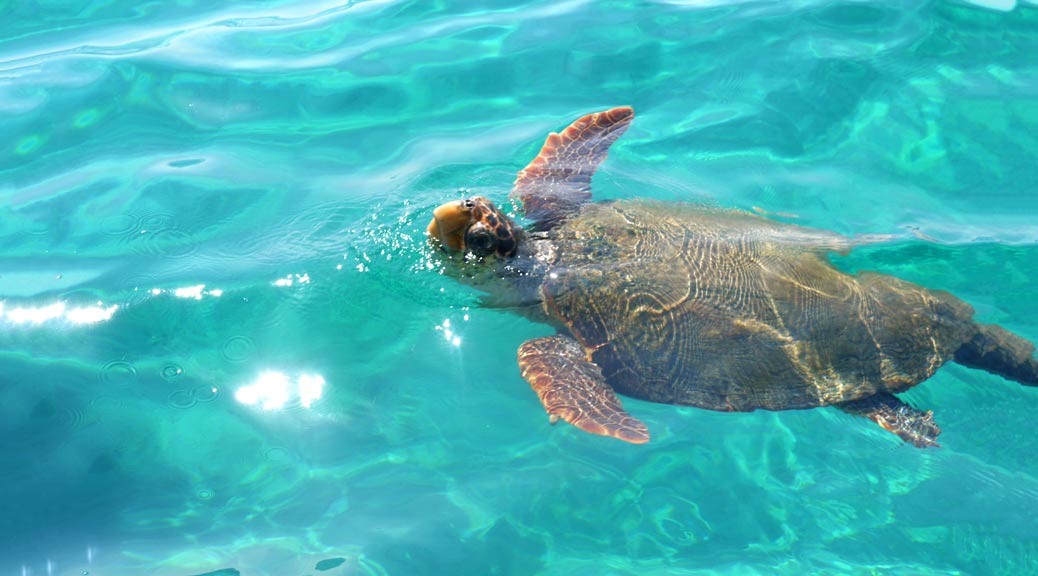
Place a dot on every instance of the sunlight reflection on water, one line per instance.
(273, 390)
(35, 315)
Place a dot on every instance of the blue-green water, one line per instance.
(201, 199)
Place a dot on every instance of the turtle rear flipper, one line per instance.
(572, 388)
(893, 415)
(1001, 352)
(558, 181)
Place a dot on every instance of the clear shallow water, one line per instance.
(197, 199)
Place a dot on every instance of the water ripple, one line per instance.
(250, 183)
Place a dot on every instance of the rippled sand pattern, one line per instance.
(224, 344)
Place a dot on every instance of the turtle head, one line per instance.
(474, 225)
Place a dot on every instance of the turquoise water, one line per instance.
(203, 201)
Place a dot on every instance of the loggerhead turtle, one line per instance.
(719, 309)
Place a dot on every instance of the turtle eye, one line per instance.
(480, 241)
(468, 203)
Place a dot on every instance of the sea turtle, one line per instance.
(719, 309)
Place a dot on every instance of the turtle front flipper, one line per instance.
(895, 416)
(555, 184)
(572, 388)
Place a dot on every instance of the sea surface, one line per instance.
(225, 345)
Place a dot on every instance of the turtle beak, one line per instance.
(449, 224)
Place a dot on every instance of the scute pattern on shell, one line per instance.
(729, 311)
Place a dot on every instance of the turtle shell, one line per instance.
(729, 311)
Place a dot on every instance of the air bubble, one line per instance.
(158, 221)
(171, 372)
(182, 399)
(237, 348)
(120, 225)
(205, 393)
(118, 373)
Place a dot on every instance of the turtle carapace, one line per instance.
(719, 309)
